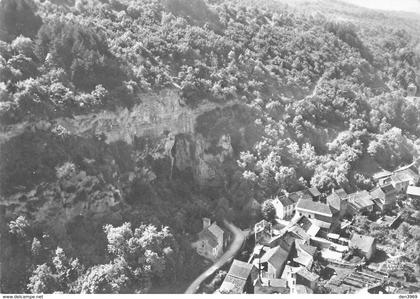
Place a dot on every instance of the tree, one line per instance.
(19, 227)
(268, 211)
(17, 17)
(43, 281)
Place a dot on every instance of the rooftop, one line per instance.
(381, 174)
(301, 289)
(276, 256)
(361, 199)
(412, 190)
(314, 191)
(310, 276)
(314, 207)
(362, 242)
(236, 278)
(285, 201)
(295, 196)
(213, 234)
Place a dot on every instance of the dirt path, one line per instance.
(239, 238)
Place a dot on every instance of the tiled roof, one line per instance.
(314, 207)
(213, 234)
(276, 256)
(295, 196)
(381, 174)
(387, 188)
(301, 289)
(314, 191)
(407, 174)
(364, 243)
(411, 190)
(299, 232)
(233, 285)
(240, 269)
(361, 199)
(308, 248)
(307, 274)
(341, 193)
(236, 278)
(285, 201)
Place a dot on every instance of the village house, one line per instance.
(271, 258)
(360, 202)
(317, 212)
(413, 192)
(210, 242)
(384, 196)
(314, 193)
(271, 286)
(299, 276)
(366, 245)
(239, 279)
(404, 178)
(338, 200)
(381, 175)
(263, 231)
(305, 254)
(284, 206)
(308, 226)
(272, 263)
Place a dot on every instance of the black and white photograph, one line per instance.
(209, 147)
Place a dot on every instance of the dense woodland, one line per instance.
(322, 100)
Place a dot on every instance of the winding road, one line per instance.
(239, 238)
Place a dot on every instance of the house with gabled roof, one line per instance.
(413, 192)
(239, 279)
(338, 200)
(384, 196)
(263, 231)
(359, 202)
(308, 226)
(273, 261)
(305, 254)
(285, 207)
(210, 240)
(321, 214)
(366, 245)
(401, 179)
(314, 192)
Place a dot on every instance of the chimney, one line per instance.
(206, 222)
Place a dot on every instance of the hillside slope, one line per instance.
(164, 112)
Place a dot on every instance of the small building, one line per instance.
(401, 179)
(360, 202)
(307, 278)
(314, 192)
(239, 279)
(317, 212)
(338, 200)
(263, 231)
(271, 286)
(307, 225)
(381, 175)
(272, 263)
(299, 276)
(210, 240)
(366, 245)
(384, 196)
(284, 206)
(301, 289)
(305, 254)
(413, 192)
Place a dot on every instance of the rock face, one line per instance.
(167, 130)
